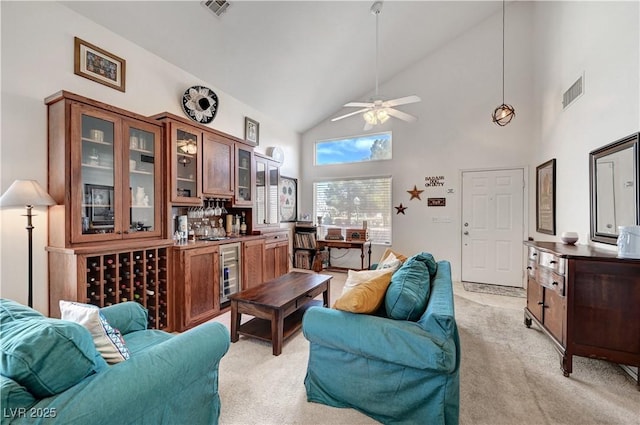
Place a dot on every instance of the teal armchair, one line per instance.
(168, 379)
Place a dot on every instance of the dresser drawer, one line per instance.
(552, 262)
(533, 254)
(550, 280)
(532, 266)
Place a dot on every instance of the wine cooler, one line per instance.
(139, 276)
(230, 263)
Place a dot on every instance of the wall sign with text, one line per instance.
(434, 181)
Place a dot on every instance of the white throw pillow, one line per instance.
(108, 340)
(390, 262)
(355, 278)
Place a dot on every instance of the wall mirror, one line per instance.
(615, 196)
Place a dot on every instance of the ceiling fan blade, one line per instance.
(402, 101)
(358, 105)
(402, 115)
(350, 114)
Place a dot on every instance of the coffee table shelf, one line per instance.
(261, 328)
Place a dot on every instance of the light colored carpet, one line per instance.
(509, 375)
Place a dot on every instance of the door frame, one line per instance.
(525, 210)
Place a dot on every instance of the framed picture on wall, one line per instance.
(99, 65)
(546, 197)
(251, 131)
(288, 199)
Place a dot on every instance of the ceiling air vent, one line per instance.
(575, 91)
(218, 7)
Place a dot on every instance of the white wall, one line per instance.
(460, 86)
(549, 45)
(601, 40)
(37, 61)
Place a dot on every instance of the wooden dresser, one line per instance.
(586, 300)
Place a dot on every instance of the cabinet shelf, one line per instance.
(98, 167)
(144, 173)
(141, 151)
(97, 142)
(183, 179)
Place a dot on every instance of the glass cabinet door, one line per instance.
(95, 143)
(143, 163)
(260, 209)
(185, 155)
(244, 172)
(273, 194)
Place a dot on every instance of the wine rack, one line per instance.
(139, 275)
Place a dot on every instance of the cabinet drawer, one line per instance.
(553, 262)
(533, 254)
(550, 280)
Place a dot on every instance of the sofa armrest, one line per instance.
(126, 317)
(175, 381)
(393, 341)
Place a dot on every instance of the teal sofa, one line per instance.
(395, 371)
(52, 373)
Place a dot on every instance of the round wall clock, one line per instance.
(200, 104)
(276, 153)
(288, 199)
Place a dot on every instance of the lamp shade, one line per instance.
(25, 192)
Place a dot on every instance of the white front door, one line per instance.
(493, 226)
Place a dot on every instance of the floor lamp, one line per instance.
(29, 194)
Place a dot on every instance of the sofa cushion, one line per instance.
(108, 340)
(408, 293)
(355, 278)
(11, 310)
(390, 258)
(14, 396)
(47, 356)
(367, 296)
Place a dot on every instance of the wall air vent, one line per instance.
(217, 7)
(575, 91)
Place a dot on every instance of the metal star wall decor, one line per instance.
(415, 193)
(400, 209)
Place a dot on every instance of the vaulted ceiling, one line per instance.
(297, 61)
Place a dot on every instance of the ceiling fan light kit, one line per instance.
(504, 113)
(378, 110)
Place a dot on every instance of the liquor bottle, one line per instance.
(243, 225)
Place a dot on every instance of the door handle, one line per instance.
(466, 233)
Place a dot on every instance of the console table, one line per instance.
(586, 300)
(322, 243)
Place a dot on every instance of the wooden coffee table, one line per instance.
(277, 306)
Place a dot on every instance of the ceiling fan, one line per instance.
(378, 110)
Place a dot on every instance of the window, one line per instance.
(372, 147)
(347, 203)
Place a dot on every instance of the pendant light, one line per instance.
(504, 113)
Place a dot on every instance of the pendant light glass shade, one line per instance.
(504, 113)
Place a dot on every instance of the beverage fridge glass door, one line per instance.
(230, 263)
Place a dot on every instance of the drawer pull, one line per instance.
(555, 283)
(552, 262)
(541, 303)
(534, 254)
(529, 267)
